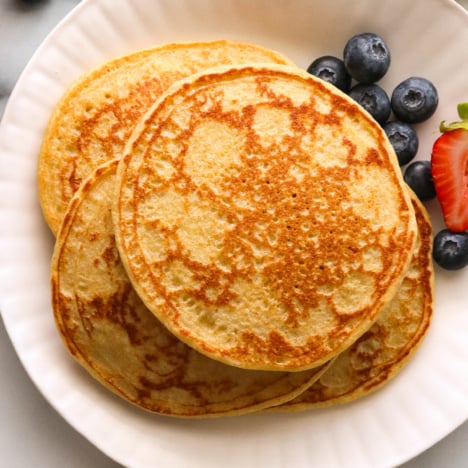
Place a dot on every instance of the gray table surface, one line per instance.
(32, 434)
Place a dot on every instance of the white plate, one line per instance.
(422, 405)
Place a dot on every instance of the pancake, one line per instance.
(382, 352)
(109, 331)
(94, 118)
(261, 215)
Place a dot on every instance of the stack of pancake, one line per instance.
(232, 234)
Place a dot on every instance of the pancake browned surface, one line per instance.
(382, 351)
(261, 215)
(94, 118)
(118, 340)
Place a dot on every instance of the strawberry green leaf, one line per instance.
(462, 109)
(453, 126)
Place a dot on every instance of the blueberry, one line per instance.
(366, 57)
(418, 176)
(414, 100)
(332, 70)
(374, 99)
(450, 249)
(404, 140)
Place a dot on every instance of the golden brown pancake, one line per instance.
(109, 331)
(262, 217)
(383, 351)
(94, 118)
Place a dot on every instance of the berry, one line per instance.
(374, 100)
(418, 176)
(366, 57)
(332, 70)
(414, 100)
(450, 171)
(404, 140)
(450, 249)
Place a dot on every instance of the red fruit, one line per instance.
(449, 167)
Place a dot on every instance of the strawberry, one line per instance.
(449, 167)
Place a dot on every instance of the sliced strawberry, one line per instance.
(449, 167)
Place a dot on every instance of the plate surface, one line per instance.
(419, 407)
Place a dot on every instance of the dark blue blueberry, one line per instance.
(450, 249)
(374, 99)
(404, 140)
(332, 70)
(418, 176)
(366, 57)
(414, 100)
